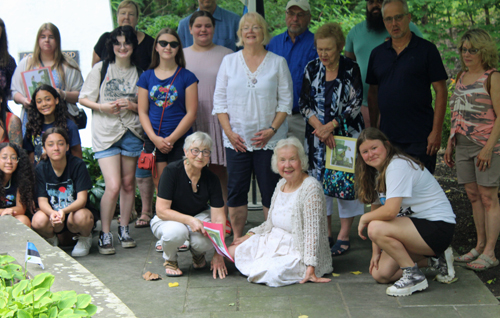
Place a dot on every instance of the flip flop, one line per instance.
(141, 223)
(338, 250)
(468, 257)
(184, 247)
(485, 262)
(159, 244)
(171, 265)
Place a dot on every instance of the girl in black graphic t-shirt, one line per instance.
(62, 187)
(16, 175)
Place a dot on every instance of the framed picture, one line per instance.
(34, 78)
(343, 156)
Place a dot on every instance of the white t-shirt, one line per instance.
(423, 197)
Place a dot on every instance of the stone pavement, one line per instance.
(347, 295)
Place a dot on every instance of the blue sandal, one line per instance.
(338, 250)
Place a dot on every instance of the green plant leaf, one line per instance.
(19, 288)
(5, 274)
(91, 309)
(52, 313)
(81, 312)
(66, 302)
(43, 316)
(43, 302)
(3, 302)
(66, 312)
(5, 259)
(21, 313)
(83, 300)
(43, 280)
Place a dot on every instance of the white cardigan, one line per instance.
(309, 228)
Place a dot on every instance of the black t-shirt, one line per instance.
(144, 49)
(10, 195)
(404, 88)
(175, 185)
(62, 191)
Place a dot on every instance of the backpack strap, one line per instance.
(488, 82)
(104, 70)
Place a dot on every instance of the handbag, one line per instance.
(81, 119)
(147, 161)
(339, 184)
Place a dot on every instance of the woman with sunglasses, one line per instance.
(185, 190)
(475, 135)
(168, 101)
(116, 131)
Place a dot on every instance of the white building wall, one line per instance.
(80, 22)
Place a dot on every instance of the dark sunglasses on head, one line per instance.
(173, 44)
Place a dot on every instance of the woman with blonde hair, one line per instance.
(253, 96)
(475, 135)
(47, 53)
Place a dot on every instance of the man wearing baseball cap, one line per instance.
(296, 45)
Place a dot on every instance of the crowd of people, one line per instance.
(219, 100)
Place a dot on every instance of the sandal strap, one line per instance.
(199, 259)
(172, 265)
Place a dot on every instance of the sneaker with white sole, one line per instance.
(443, 264)
(124, 237)
(106, 243)
(82, 247)
(54, 241)
(413, 280)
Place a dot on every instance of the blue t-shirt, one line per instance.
(34, 143)
(297, 55)
(175, 103)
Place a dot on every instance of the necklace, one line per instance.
(332, 69)
(402, 46)
(8, 186)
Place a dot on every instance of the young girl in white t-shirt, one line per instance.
(411, 222)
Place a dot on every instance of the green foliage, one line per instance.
(25, 298)
(338, 11)
(95, 194)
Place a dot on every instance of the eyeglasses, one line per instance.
(12, 158)
(173, 44)
(397, 18)
(196, 152)
(372, 2)
(118, 44)
(255, 28)
(471, 51)
(299, 15)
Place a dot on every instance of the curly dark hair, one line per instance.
(35, 118)
(130, 38)
(24, 176)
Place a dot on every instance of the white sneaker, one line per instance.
(444, 264)
(82, 247)
(53, 240)
(413, 280)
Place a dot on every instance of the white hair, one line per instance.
(403, 2)
(290, 141)
(198, 137)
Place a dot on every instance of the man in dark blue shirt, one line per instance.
(400, 73)
(296, 45)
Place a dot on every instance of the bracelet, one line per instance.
(248, 233)
(100, 108)
(273, 129)
(333, 123)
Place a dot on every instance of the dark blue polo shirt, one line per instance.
(404, 88)
(297, 55)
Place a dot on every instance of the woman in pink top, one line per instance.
(475, 132)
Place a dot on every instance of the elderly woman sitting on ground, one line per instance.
(184, 190)
(292, 245)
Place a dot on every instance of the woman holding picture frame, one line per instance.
(66, 75)
(330, 101)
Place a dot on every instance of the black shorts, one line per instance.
(175, 154)
(437, 234)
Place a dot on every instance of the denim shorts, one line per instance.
(129, 145)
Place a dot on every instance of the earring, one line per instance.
(187, 161)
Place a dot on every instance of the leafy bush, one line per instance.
(95, 194)
(32, 298)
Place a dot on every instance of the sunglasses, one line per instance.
(173, 44)
(471, 51)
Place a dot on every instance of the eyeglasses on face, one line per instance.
(173, 44)
(12, 158)
(397, 18)
(299, 15)
(255, 28)
(196, 152)
(471, 51)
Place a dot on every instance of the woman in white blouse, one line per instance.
(292, 245)
(253, 96)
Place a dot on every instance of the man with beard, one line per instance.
(226, 25)
(296, 45)
(400, 73)
(363, 38)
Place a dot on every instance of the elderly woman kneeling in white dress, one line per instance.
(292, 245)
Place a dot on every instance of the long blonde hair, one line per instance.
(59, 59)
(368, 182)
